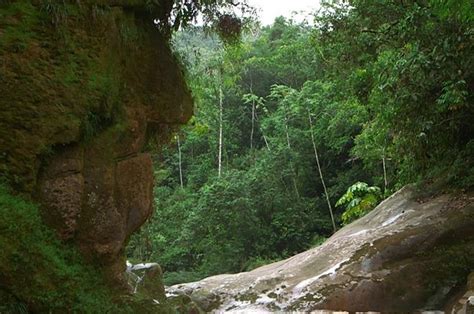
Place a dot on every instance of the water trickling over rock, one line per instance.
(408, 254)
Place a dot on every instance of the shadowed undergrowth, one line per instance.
(37, 270)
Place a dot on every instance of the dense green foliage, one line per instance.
(359, 199)
(40, 273)
(379, 92)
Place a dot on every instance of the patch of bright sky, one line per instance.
(268, 10)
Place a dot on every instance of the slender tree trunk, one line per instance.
(263, 135)
(295, 185)
(316, 155)
(180, 164)
(253, 117)
(287, 133)
(384, 172)
(221, 113)
(253, 125)
(266, 142)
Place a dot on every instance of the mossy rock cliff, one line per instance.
(69, 71)
(86, 88)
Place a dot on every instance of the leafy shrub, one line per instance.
(173, 278)
(256, 262)
(359, 199)
(318, 240)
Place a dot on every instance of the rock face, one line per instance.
(146, 278)
(464, 301)
(407, 254)
(83, 88)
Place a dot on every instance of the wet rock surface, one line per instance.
(408, 254)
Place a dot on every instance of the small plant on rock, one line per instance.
(359, 199)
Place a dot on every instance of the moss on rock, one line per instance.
(38, 272)
(83, 86)
(68, 72)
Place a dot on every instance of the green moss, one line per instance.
(184, 304)
(105, 101)
(58, 11)
(449, 265)
(40, 271)
(60, 78)
(17, 22)
(69, 71)
(128, 31)
(249, 297)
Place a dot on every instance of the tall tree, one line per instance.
(180, 162)
(221, 126)
(316, 156)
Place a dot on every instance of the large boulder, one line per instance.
(146, 279)
(410, 253)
